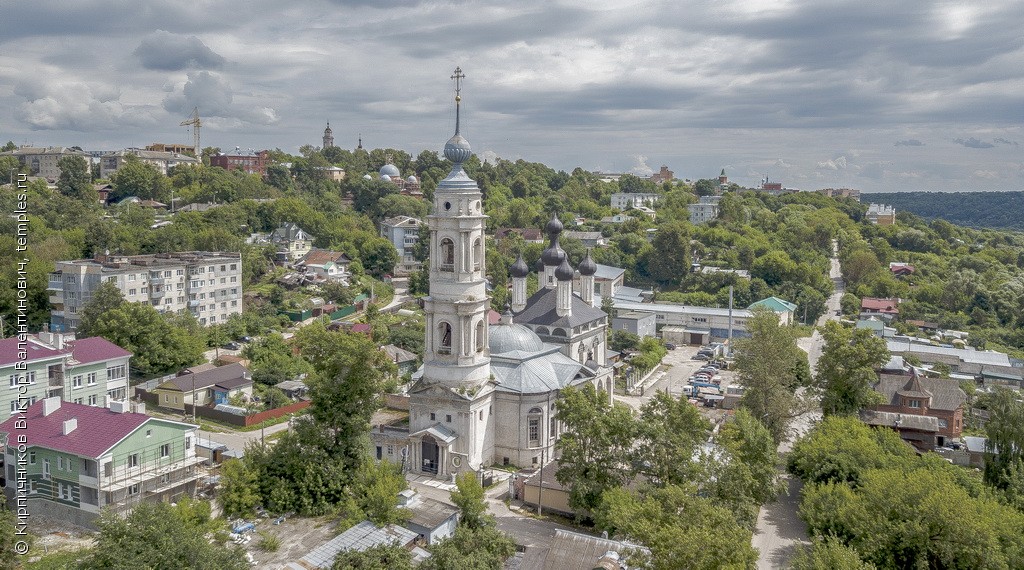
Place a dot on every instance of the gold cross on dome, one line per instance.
(458, 76)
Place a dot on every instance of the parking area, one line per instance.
(674, 374)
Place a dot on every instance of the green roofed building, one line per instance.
(81, 459)
(780, 307)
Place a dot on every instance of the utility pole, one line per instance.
(730, 320)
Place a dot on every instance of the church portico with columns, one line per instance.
(486, 394)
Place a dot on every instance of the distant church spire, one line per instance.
(328, 136)
(360, 147)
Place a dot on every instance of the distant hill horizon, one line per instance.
(996, 210)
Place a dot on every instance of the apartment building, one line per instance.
(81, 459)
(42, 161)
(110, 162)
(881, 214)
(705, 210)
(90, 371)
(207, 284)
(403, 232)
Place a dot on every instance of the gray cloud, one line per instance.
(690, 85)
(973, 143)
(165, 51)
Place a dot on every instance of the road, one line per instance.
(779, 529)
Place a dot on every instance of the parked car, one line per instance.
(670, 346)
(232, 346)
(700, 356)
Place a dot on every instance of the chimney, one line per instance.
(69, 426)
(51, 405)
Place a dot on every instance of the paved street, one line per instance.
(779, 529)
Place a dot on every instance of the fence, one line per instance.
(227, 417)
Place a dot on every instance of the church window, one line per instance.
(448, 418)
(432, 416)
(447, 255)
(534, 431)
(480, 336)
(445, 333)
(481, 415)
(478, 255)
(558, 332)
(543, 331)
(551, 427)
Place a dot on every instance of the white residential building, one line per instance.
(705, 210)
(207, 284)
(625, 200)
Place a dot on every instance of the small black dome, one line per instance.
(519, 268)
(587, 266)
(564, 271)
(554, 225)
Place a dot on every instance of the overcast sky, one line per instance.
(880, 96)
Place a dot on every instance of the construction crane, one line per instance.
(196, 124)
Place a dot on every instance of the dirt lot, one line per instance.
(298, 537)
(55, 535)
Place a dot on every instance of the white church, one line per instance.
(486, 394)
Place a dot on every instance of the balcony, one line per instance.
(193, 303)
(55, 285)
(157, 293)
(156, 281)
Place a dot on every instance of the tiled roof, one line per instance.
(36, 351)
(398, 354)
(322, 256)
(608, 272)
(881, 305)
(98, 429)
(775, 304)
(945, 393)
(95, 349)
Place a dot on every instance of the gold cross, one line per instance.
(458, 77)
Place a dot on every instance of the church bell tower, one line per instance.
(456, 345)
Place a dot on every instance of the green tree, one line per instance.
(747, 475)
(828, 553)
(271, 360)
(765, 362)
(1004, 460)
(669, 259)
(75, 180)
(161, 342)
(105, 298)
(468, 496)
(377, 484)
(681, 529)
(157, 535)
(595, 445)
(846, 369)
(239, 489)
(380, 557)
(134, 178)
(840, 449)
(379, 257)
(670, 431)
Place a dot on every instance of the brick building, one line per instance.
(250, 161)
(927, 412)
